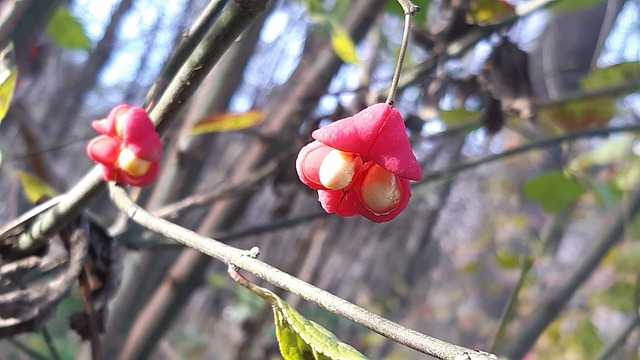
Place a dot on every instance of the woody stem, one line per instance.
(409, 10)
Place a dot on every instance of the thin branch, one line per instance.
(618, 341)
(462, 45)
(436, 175)
(408, 14)
(510, 310)
(50, 345)
(27, 350)
(236, 257)
(172, 210)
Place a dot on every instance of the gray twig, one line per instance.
(238, 258)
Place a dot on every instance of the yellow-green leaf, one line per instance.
(66, 31)
(343, 45)
(572, 5)
(611, 76)
(301, 339)
(487, 12)
(458, 116)
(227, 122)
(34, 188)
(8, 77)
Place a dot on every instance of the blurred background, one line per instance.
(522, 237)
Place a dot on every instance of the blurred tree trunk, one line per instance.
(182, 170)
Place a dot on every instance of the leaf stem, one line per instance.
(409, 10)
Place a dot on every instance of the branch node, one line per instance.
(253, 253)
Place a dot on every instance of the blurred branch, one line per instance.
(623, 88)
(50, 345)
(187, 46)
(232, 235)
(27, 350)
(619, 340)
(460, 46)
(510, 311)
(87, 78)
(236, 257)
(436, 175)
(557, 298)
(172, 210)
(12, 14)
(215, 42)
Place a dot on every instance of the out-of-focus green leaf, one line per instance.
(394, 8)
(587, 337)
(611, 76)
(33, 187)
(610, 151)
(488, 12)
(618, 297)
(553, 190)
(227, 122)
(507, 259)
(343, 45)
(627, 257)
(340, 9)
(66, 31)
(458, 116)
(570, 5)
(628, 174)
(8, 77)
(217, 280)
(301, 339)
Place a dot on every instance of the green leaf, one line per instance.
(458, 116)
(587, 337)
(570, 5)
(8, 77)
(488, 12)
(611, 76)
(610, 151)
(301, 339)
(227, 122)
(618, 297)
(553, 190)
(66, 31)
(627, 257)
(343, 45)
(507, 259)
(33, 187)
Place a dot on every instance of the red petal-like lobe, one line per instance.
(139, 133)
(104, 126)
(149, 149)
(308, 164)
(377, 133)
(118, 111)
(104, 150)
(339, 202)
(380, 218)
(348, 206)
